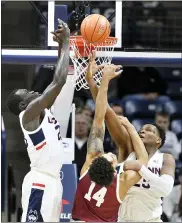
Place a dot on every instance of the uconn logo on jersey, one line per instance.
(146, 184)
(53, 121)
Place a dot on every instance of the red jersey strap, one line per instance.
(84, 174)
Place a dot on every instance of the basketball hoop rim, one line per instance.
(110, 41)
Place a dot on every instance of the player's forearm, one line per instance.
(62, 65)
(118, 132)
(101, 101)
(59, 51)
(93, 88)
(138, 145)
(162, 184)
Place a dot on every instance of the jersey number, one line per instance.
(57, 127)
(144, 184)
(98, 196)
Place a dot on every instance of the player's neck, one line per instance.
(151, 151)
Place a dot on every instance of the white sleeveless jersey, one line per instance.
(44, 145)
(140, 203)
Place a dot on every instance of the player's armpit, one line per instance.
(127, 179)
(169, 165)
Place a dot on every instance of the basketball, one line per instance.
(95, 28)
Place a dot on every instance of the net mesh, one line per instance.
(80, 58)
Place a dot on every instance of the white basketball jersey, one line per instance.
(44, 145)
(140, 203)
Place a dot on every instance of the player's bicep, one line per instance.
(128, 179)
(168, 165)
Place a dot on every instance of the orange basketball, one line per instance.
(95, 28)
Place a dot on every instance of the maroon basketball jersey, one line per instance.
(94, 202)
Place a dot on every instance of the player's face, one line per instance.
(111, 158)
(27, 96)
(149, 135)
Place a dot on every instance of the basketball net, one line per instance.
(80, 58)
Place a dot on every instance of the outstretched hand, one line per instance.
(92, 66)
(111, 71)
(62, 33)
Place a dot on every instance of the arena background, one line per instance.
(154, 26)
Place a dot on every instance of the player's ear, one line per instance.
(159, 140)
(22, 105)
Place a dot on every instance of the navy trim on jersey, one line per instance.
(37, 137)
(34, 206)
(117, 169)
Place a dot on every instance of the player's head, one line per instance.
(102, 169)
(19, 99)
(152, 136)
(162, 119)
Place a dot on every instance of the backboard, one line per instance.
(106, 8)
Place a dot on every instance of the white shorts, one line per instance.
(41, 198)
(152, 220)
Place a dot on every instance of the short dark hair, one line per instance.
(101, 171)
(13, 102)
(164, 114)
(162, 134)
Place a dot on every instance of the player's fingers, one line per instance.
(101, 66)
(60, 22)
(54, 38)
(90, 58)
(118, 67)
(118, 72)
(94, 54)
(64, 25)
(59, 30)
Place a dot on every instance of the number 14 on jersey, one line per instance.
(98, 196)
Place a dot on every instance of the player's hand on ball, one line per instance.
(132, 165)
(62, 33)
(111, 71)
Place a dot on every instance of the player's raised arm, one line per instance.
(96, 137)
(116, 130)
(46, 100)
(130, 177)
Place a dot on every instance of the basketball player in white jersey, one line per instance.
(143, 201)
(42, 189)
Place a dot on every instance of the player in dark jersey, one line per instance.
(101, 189)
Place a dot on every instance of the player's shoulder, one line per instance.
(168, 156)
(168, 159)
